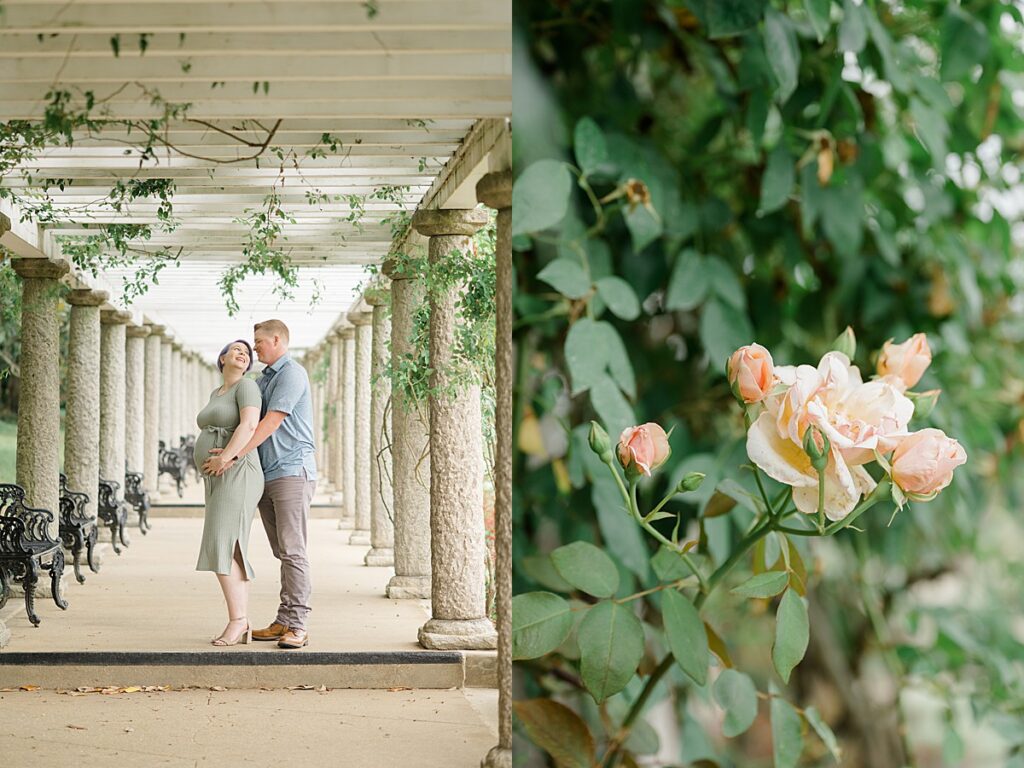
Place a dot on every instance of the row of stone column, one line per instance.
(128, 387)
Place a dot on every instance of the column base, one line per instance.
(5, 635)
(498, 757)
(346, 524)
(409, 588)
(336, 499)
(379, 557)
(43, 587)
(359, 537)
(459, 635)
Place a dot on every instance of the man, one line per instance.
(284, 438)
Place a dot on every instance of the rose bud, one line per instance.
(643, 449)
(751, 373)
(904, 364)
(599, 442)
(923, 463)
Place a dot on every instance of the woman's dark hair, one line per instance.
(248, 346)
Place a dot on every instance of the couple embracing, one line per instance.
(255, 450)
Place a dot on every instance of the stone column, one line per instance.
(176, 396)
(335, 431)
(458, 600)
(382, 530)
(151, 409)
(38, 460)
(495, 191)
(135, 397)
(410, 450)
(363, 343)
(112, 396)
(81, 403)
(166, 372)
(348, 428)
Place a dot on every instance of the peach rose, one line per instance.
(923, 463)
(644, 447)
(751, 372)
(904, 364)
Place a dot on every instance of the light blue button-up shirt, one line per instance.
(290, 449)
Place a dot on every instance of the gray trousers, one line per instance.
(284, 508)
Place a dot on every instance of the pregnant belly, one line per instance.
(204, 443)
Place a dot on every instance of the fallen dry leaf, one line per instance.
(399, 688)
(300, 687)
(217, 688)
(30, 687)
(131, 689)
(78, 727)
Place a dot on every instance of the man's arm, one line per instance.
(267, 426)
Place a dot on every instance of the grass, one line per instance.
(9, 447)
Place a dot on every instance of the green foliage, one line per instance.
(760, 171)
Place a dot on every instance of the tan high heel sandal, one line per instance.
(243, 638)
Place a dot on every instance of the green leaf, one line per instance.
(824, 732)
(842, 216)
(611, 642)
(686, 636)
(763, 585)
(558, 731)
(787, 736)
(669, 566)
(689, 283)
(964, 44)
(727, 18)
(644, 227)
(621, 534)
(613, 409)
(723, 330)
(780, 46)
(853, 30)
(736, 694)
(617, 358)
(590, 147)
(620, 297)
(540, 196)
(540, 569)
(791, 634)
(931, 128)
(819, 13)
(540, 623)
(591, 348)
(725, 283)
(567, 277)
(777, 181)
(587, 568)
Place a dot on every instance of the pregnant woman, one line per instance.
(227, 422)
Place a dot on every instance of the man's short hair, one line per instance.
(273, 327)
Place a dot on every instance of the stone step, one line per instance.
(240, 668)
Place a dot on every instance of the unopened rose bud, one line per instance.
(600, 442)
(751, 373)
(904, 364)
(846, 342)
(923, 463)
(691, 482)
(924, 402)
(817, 453)
(643, 449)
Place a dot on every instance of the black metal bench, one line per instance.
(187, 448)
(172, 462)
(113, 512)
(26, 548)
(77, 527)
(138, 498)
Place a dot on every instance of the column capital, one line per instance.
(45, 268)
(392, 270)
(495, 189)
(115, 317)
(437, 222)
(138, 331)
(86, 297)
(347, 333)
(156, 330)
(378, 295)
(360, 318)
(176, 346)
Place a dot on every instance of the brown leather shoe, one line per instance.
(294, 638)
(274, 632)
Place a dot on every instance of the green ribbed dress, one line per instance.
(231, 499)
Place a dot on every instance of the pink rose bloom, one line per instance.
(923, 463)
(752, 372)
(645, 446)
(904, 364)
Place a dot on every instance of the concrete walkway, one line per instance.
(187, 729)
